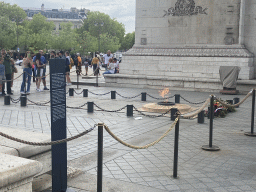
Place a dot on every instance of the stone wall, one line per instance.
(250, 27)
(166, 22)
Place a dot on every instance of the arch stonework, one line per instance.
(186, 41)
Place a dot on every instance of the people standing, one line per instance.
(27, 73)
(106, 58)
(40, 70)
(79, 65)
(67, 69)
(95, 65)
(8, 72)
(43, 61)
(2, 74)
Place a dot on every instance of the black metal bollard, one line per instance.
(7, 100)
(85, 93)
(236, 100)
(177, 98)
(100, 157)
(90, 107)
(173, 113)
(143, 96)
(71, 92)
(252, 134)
(23, 101)
(129, 110)
(211, 147)
(200, 118)
(113, 94)
(176, 149)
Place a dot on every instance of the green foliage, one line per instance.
(86, 43)
(39, 24)
(108, 42)
(7, 33)
(128, 41)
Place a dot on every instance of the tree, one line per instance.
(128, 41)
(7, 33)
(100, 25)
(86, 43)
(40, 23)
(14, 14)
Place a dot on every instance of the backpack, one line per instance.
(76, 61)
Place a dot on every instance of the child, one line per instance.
(2, 76)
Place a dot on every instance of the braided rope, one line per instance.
(47, 143)
(235, 105)
(188, 115)
(145, 146)
(12, 79)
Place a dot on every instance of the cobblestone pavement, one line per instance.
(233, 168)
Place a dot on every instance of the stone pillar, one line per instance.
(241, 23)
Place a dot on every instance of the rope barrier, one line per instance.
(48, 143)
(128, 97)
(12, 79)
(36, 103)
(152, 116)
(189, 115)
(78, 93)
(145, 146)
(109, 110)
(235, 105)
(192, 102)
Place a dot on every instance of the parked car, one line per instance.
(18, 62)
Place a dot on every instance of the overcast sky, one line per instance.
(122, 10)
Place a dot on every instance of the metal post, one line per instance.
(236, 100)
(211, 147)
(113, 94)
(129, 110)
(7, 100)
(252, 134)
(24, 79)
(71, 92)
(201, 117)
(100, 157)
(77, 81)
(90, 107)
(23, 101)
(177, 98)
(85, 93)
(143, 96)
(173, 113)
(97, 80)
(176, 149)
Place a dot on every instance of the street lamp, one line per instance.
(100, 24)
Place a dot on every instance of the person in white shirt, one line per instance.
(111, 67)
(106, 58)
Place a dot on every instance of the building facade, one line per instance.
(58, 16)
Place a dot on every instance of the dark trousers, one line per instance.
(7, 77)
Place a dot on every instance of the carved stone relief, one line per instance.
(185, 8)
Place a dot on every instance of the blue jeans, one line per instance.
(27, 74)
(107, 72)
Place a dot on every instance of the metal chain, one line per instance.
(78, 93)
(109, 110)
(15, 101)
(161, 98)
(128, 97)
(48, 143)
(40, 104)
(192, 102)
(99, 94)
(145, 146)
(79, 107)
(151, 116)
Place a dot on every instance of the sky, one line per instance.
(122, 10)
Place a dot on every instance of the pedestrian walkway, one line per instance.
(233, 168)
